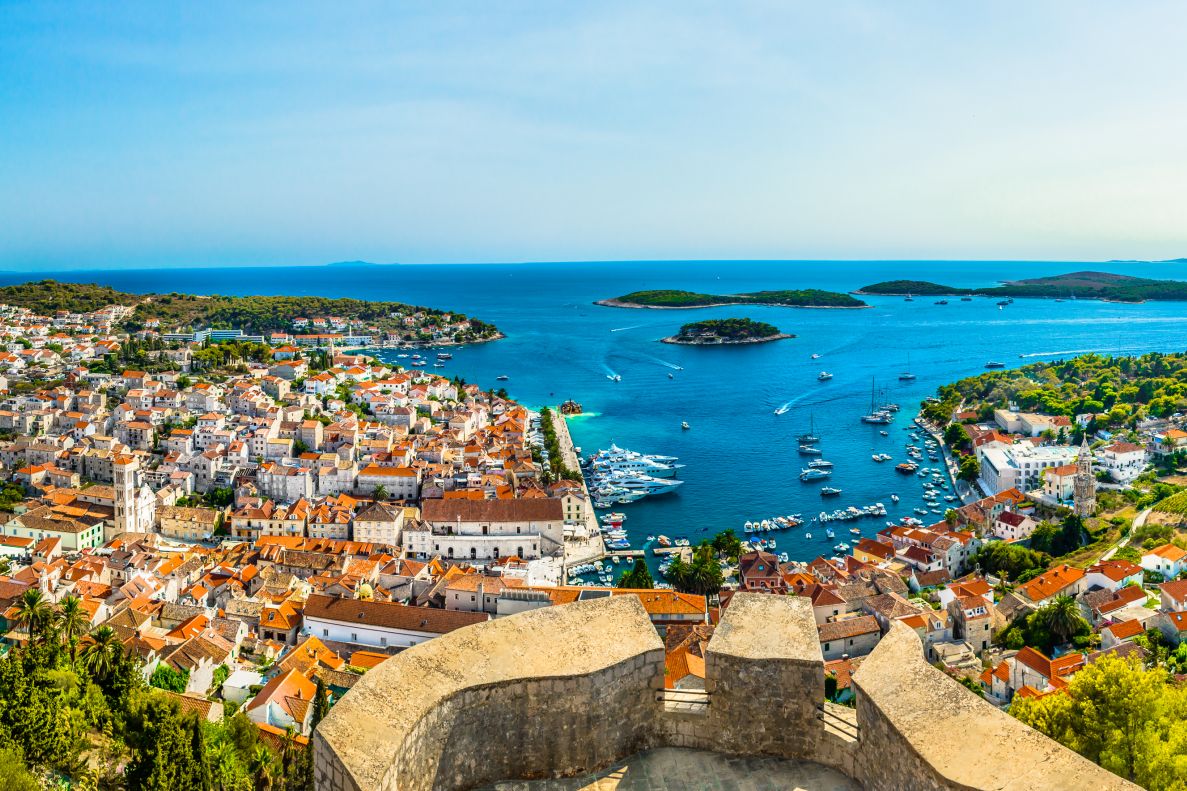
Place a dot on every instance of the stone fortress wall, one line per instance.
(567, 690)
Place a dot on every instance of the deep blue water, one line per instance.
(741, 458)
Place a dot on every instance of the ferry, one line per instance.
(823, 376)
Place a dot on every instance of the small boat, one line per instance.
(808, 535)
(823, 376)
(670, 376)
(820, 463)
(810, 450)
(855, 531)
(684, 426)
(438, 365)
(941, 302)
(808, 437)
(829, 491)
(884, 433)
(828, 532)
(614, 377)
(909, 298)
(444, 356)
(663, 541)
(502, 378)
(995, 364)
(813, 474)
(815, 356)
(968, 298)
(894, 498)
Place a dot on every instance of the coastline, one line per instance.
(614, 303)
(975, 293)
(675, 340)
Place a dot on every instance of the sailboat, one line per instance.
(907, 376)
(810, 437)
(877, 414)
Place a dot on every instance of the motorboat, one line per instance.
(810, 450)
(829, 491)
(814, 474)
(995, 364)
(823, 376)
(823, 464)
(502, 378)
(684, 426)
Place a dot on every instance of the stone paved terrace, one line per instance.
(676, 769)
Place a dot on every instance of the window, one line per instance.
(325, 632)
(383, 641)
(354, 638)
(826, 645)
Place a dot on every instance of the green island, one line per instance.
(1078, 285)
(721, 332)
(673, 298)
(258, 315)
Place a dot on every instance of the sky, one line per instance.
(234, 133)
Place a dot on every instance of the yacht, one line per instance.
(823, 464)
(810, 450)
(995, 364)
(646, 484)
(635, 463)
(906, 375)
(823, 376)
(444, 356)
(829, 491)
(941, 302)
(502, 378)
(813, 474)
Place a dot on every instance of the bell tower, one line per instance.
(1084, 484)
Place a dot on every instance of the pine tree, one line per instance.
(637, 577)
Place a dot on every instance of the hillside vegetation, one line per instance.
(672, 298)
(1122, 389)
(1082, 285)
(254, 315)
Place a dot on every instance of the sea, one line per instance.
(740, 457)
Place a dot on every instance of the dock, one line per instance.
(626, 553)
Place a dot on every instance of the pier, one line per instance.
(592, 547)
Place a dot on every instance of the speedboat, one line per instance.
(823, 376)
(995, 364)
(829, 491)
(810, 450)
(815, 356)
(684, 426)
(502, 378)
(894, 498)
(813, 474)
(823, 464)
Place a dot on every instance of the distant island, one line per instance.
(723, 332)
(259, 315)
(1080, 285)
(675, 299)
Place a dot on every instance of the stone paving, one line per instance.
(673, 769)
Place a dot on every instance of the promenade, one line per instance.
(586, 545)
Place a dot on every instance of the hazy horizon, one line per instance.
(145, 136)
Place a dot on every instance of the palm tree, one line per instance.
(381, 492)
(73, 623)
(99, 657)
(33, 612)
(1061, 616)
(263, 767)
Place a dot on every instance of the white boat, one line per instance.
(815, 356)
(684, 426)
(823, 376)
(810, 450)
(813, 474)
(821, 463)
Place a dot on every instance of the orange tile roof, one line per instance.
(1051, 582)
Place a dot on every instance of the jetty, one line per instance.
(590, 547)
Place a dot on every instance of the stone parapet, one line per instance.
(917, 723)
(556, 691)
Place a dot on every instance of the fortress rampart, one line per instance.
(566, 690)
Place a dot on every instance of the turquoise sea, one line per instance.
(742, 461)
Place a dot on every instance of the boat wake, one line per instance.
(779, 410)
(624, 329)
(1072, 351)
(665, 363)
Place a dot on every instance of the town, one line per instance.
(257, 534)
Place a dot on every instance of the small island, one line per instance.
(676, 299)
(1074, 285)
(726, 332)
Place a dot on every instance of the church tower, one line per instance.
(1084, 484)
(126, 480)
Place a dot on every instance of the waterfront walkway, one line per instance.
(590, 547)
(696, 770)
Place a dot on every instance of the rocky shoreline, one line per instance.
(614, 303)
(677, 340)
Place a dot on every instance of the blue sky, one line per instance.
(169, 134)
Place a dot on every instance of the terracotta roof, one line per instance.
(492, 510)
(1125, 629)
(1051, 582)
(389, 614)
(850, 627)
(1176, 589)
